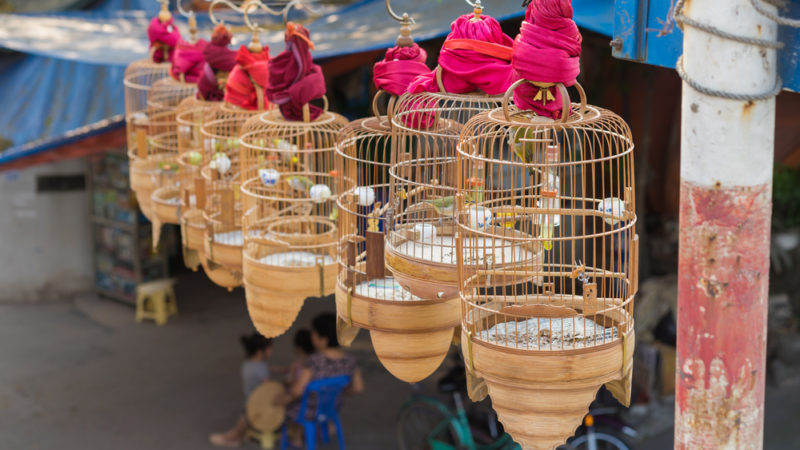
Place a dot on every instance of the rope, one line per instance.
(682, 19)
(794, 23)
(724, 94)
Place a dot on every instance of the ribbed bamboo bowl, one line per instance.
(411, 338)
(439, 280)
(275, 294)
(165, 204)
(542, 396)
(220, 275)
(193, 231)
(222, 262)
(143, 183)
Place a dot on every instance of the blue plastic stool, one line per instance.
(326, 391)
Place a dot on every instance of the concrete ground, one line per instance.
(81, 374)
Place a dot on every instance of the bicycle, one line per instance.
(426, 423)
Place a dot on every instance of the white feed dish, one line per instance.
(384, 289)
(294, 259)
(269, 177)
(366, 195)
(221, 163)
(611, 206)
(319, 193)
(544, 333)
(426, 231)
(479, 217)
(442, 249)
(234, 238)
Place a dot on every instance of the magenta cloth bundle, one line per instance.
(251, 73)
(188, 61)
(547, 50)
(466, 70)
(164, 37)
(399, 68)
(294, 79)
(219, 60)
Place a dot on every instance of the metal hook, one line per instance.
(255, 5)
(220, 2)
(299, 5)
(255, 46)
(190, 19)
(405, 18)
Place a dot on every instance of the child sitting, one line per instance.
(255, 371)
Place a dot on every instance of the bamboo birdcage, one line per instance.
(218, 196)
(544, 334)
(411, 335)
(139, 78)
(289, 215)
(218, 192)
(191, 156)
(161, 161)
(420, 249)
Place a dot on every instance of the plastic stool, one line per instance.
(156, 300)
(267, 440)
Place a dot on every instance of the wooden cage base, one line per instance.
(411, 338)
(541, 397)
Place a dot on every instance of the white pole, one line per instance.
(726, 178)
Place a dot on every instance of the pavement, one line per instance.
(81, 374)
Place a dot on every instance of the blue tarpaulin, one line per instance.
(69, 76)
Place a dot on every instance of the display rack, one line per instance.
(121, 236)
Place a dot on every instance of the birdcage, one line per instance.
(162, 155)
(289, 215)
(420, 245)
(191, 157)
(470, 78)
(218, 192)
(218, 195)
(547, 253)
(411, 335)
(139, 79)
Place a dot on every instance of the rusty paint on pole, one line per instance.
(725, 194)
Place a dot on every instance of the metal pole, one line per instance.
(725, 195)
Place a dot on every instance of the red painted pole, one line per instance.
(725, 193)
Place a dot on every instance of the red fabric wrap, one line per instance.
(163, 39)
(547, 50)
(251, 68)
(188, 60)
(218, 58)
(398, 68)
(294, 79)
(465, 70)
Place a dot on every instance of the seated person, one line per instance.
(255, 371)
(328, 361)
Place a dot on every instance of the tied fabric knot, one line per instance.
(466, 70)
(219, 61)
(547, 50)
(464, 66)
(294, 79)
(164, 37)
(188, 61)
(250, 74)
(398, 68)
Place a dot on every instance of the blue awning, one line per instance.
(70, 76)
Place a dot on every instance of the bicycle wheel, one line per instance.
(426, 424)
(604, 440)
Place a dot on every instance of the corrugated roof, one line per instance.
(70, 76)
